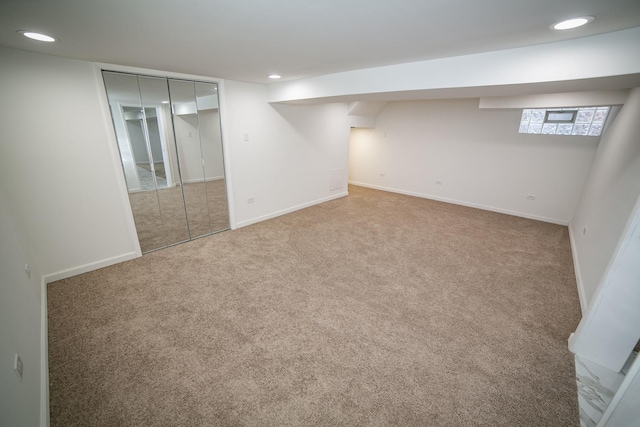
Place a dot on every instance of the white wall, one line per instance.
(59, 181)
(607, 255)
(478, 155)
(20, 318)
(608, 197)
(57, 161)
(291, 150)
(609, 331)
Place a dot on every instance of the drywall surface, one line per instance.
(453, 151)
(609, 331)
(60, 169)
(608, 198)
(20, 318)
(604, 55)
(564, 99)
(282, 156)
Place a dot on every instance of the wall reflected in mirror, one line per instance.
(169, 139)
(146, 165)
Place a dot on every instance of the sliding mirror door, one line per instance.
(211, 142)
(186, 128)
(142, 122)
(155, 100)
(196, 122)
(168, 135)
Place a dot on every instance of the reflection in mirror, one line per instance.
(169, 138)
(211, 141)
(126, 113)
(146, 165)
(164, 166)
(188, 140)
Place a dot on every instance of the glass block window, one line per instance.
(583, 121)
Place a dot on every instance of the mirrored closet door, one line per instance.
(170, 144)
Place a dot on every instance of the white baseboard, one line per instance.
(44, 356)
(578, 271)
(289, 210)
(191, 181)
(89, 267)
(571, 341)
(463, 203)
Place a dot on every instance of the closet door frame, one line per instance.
(115, 154)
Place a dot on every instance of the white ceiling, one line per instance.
(246, 40)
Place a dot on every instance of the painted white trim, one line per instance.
(191, 181)
(571, 340)
(462, 203)
(154, 73)
(44, 356)
(291, 209)
(63, 274)
(578, 273)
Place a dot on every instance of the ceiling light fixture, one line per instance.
(274, 76)
(572, 23)
(37, 36)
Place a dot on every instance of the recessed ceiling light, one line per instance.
(165, 102)
(572, 23)
(37, 36)
(274, 76)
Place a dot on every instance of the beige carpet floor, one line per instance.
(373, 309)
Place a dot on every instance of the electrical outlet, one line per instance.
(251, 200)
(531, 197)
(17, 366)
